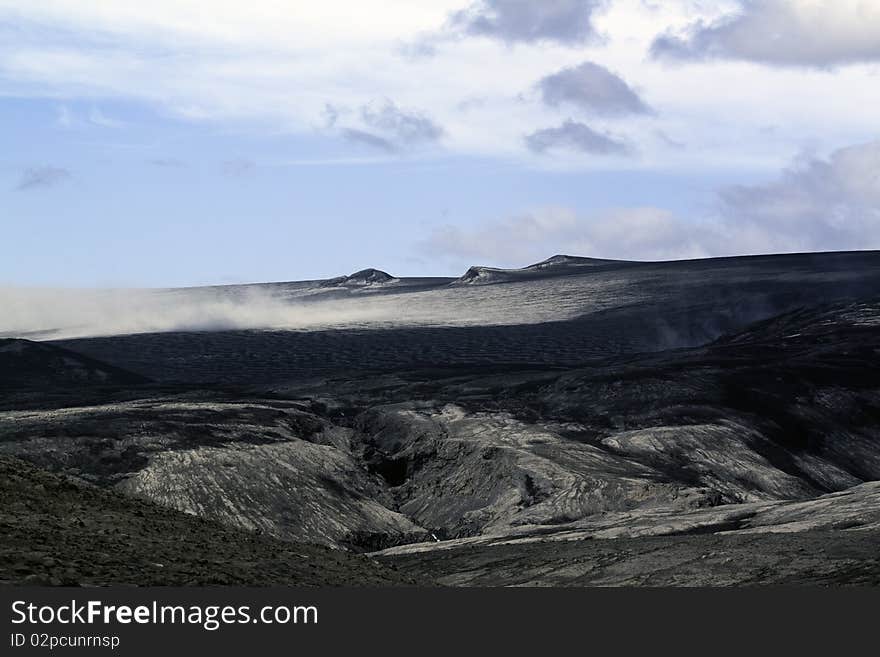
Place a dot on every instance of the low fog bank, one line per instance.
(58, 313)
(55, 314)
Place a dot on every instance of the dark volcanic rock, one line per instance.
(26, 364)
(548, 321)
(263, 465)
(676, 410)
(785, 411)
(56, 531)
(813, 558)
(482, 276)
(569, 261)
(365, 277)
(555, 266)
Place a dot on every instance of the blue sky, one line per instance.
(201, 143)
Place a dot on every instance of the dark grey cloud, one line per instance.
(592, 88)
(45, 176)
(369, 139)
(574, 136)
(405, 127)
(568, 22)
(390, 128)
(820, 34)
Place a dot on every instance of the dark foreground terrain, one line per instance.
(58, 532)
(576, 422)
(829, 558)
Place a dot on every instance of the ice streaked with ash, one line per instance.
(557, 289)
(366, 299)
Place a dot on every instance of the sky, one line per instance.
(187, 142)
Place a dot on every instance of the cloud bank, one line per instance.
(280, 65)
(812, 33)
(819, 204)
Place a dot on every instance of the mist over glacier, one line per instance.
(48, 313)
(44, 313)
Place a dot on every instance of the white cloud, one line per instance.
(817, 205)
(641, 233)
(277, 65)
(291, 26)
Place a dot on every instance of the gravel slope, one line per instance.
(57, 532)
